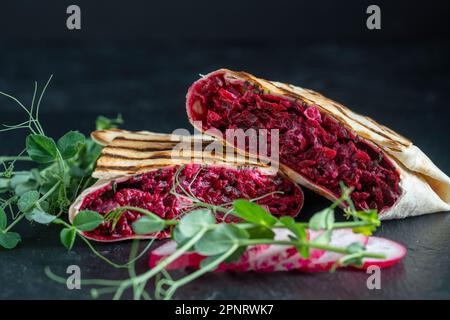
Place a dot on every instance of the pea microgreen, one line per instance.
(63, 169)
(198, 231)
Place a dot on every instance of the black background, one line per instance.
(139, 57)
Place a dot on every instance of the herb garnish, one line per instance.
(64, 169)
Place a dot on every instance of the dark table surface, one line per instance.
(405, 86)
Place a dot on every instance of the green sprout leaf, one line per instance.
(4, 184)
(323, 238)
(365, 230)
(23, 182)
(103, 123)
(369, 216)
(253, 213)
(41, 149)
(296, 228)
(9, 240)
(194, 221)
(3, 219)
(237, 254)
(323, 219)
(220, 239)
(208, 260)
(87, 220)
(355, 256)
(355, 247)
(40, 216)
(258, 232)
(146, 225)
(300, 233)
(179, 238)
(67, 237)
(69, 144)
(27, 201)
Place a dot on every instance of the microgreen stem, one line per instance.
(87, 282)
(49, 192)
(149, 274)
(198, 273)
(112, 263)
(16, 221)
(147, 213)
(16, 158)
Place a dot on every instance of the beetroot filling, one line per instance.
(312, 143)
(213, 185)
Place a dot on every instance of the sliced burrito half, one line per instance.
(141, 169)
(322, 143)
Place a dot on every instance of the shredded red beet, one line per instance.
(213, 185)
(312, 143)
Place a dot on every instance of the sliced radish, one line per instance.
(262, 257)
(187, 260)
(340, 238)
(268, 258)
(394, 252)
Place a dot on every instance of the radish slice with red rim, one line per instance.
(263, 257)
(340, 238)
(394, 252)
(269, 258)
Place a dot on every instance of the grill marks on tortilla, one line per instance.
(394, 140)
(399, 140)
(128, 153)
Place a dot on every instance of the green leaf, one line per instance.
(323, 219)
(236, 254)
(258, 232)
(300, 233)
(179, 238)
(40, 216)
(146, 225)
(9, 240)
(296, 228)
(287, 221)
(4, 185)
(365, 230)
(67, 237)
(208, 260)
(87, 220)
(220, 239)
(23, 182)
(369, 216)
(103, 123)
(253, 213)
(70, 143)
(196, 220)
(27, 201)
(44, 205)
(355, 247)
(41, 148)
(3, 219)
(323, 238)
(355, 259)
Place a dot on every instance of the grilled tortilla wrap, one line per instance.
(322, 142)
(139, 168)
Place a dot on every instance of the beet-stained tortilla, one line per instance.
(321, 143)
(138, 169)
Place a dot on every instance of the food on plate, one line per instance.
(138, 170)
